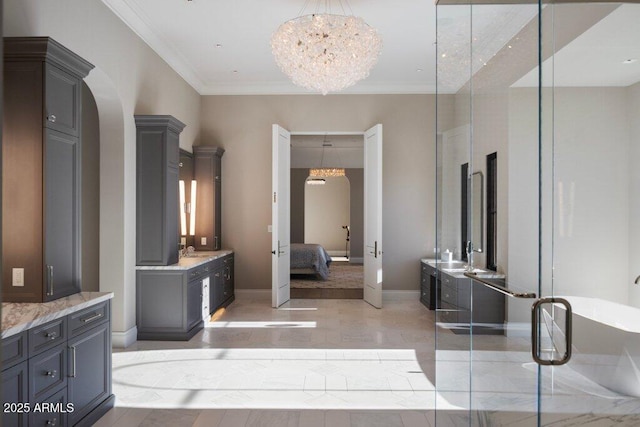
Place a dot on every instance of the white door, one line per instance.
(373, 216)
(280, 216)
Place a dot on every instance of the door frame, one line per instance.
(327, 133)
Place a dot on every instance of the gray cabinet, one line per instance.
(41, 169)
(168, 304)
(67, 362)
(15, 390)
(430, 286)
(465, 302)
(89, 381)
(157, 161)
(169, 301)
(208, 174)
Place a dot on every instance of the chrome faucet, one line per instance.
(469, 250)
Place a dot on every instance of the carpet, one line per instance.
(342, 276)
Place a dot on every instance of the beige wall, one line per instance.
(633, 111)
(298, 179)
(129, 78)
(326, 210)
(242, 126)
(90, 192)
(356, 244)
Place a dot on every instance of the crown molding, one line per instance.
(137, 21)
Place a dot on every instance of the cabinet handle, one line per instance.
(92, 318)
(51, 118)
(217, 274)
(73, 362)
(51, 335)
(51, 374)
(50, 280)
(52, 422)
(215, 242)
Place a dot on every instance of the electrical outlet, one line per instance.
(269, 228)
(203, 241)
(17, 277)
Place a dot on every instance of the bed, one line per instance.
(309, 258)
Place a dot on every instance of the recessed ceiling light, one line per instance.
(235, 71)
(218, 45)
(629, 61)
(419, 70)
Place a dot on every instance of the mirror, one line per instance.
(477, 211)
(185, 177)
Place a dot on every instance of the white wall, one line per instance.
(589, 230)
(242, 126)
(633, 119)
(326, 210)
(129, 79)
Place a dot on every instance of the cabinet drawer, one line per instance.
(47, 372)
(46, 336)
(52, 410)
(88, 318)
(448, 316)
(14, 349)
(199, 272)
(449, 294)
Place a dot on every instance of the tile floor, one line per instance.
(339, 363)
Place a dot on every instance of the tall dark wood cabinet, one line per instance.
(158, 158)
(41, 169)
(208, 174)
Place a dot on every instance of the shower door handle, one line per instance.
(535, 332)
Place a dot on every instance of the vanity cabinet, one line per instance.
(41, 157)
(157, 207)
(170, 302)
(67, 362)
(465, 302)
(429, 286)
(208, 174)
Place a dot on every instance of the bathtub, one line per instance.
(606, 343)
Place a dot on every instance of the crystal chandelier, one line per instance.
(326, 172)
(322, 172)
(326, 52)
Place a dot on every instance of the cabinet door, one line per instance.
(89, 371)
(217, 288)
(62, 215)
(228, 281)
(62, 101)
(194, 303)
(15, 390)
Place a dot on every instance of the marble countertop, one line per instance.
(457, 268)
(20, 316)
(186, 263)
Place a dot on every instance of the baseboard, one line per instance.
(356, 260)
(336, 253)
(124, 339)
(400, 295)
(517, 329)
(255, 294)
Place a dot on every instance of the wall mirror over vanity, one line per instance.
(183, 274)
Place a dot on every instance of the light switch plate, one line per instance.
(269, 228)
(203, 241)
(17, 277)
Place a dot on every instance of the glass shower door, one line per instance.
(540, 103)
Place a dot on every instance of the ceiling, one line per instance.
(325, 150)
(223, 47)
(186, 35)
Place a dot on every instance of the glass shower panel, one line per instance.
(593, 103)
(505, 125)
(453, 341)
